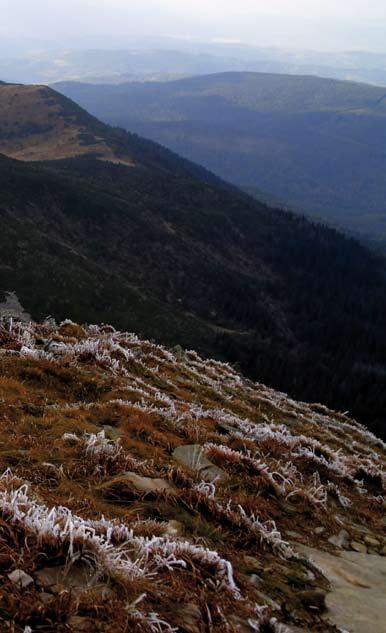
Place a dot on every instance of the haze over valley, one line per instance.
(164, 58)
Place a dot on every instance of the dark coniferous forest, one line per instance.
(193, 262)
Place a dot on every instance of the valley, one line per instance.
(316, 146)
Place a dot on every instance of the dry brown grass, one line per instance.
(38, 128)
(35, 394)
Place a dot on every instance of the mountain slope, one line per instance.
(161, 247)
(40, 124)
(317, 144)
(171, 494)
(36, 126)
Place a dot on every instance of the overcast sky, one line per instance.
(320, 24)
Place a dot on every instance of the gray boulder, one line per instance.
(356, 601)
(193, 456)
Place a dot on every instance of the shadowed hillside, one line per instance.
(317, 145)
(164, 248)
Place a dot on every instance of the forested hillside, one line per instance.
(316, 145)
(163, 248)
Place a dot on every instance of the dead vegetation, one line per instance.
(90, 419)
(37, 126)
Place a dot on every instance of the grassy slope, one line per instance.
(150, 402)
(318, 144)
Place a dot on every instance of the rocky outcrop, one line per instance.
(356, 601)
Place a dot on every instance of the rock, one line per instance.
(124, 486)
(358, 547)
(341, 540)
(313, 598)
(77, 578)
(356, 602)
(371, 541)
(193, 456)
(20, 578)
(320, 530)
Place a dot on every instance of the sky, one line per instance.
(318, 24)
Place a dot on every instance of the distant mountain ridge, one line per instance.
(164, 248)
(316, 144)
(165, 58)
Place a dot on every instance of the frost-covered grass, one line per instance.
(287, 466)
(114, 548)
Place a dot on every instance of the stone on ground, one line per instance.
(356, 602)
(127, 484)
(193, 456)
